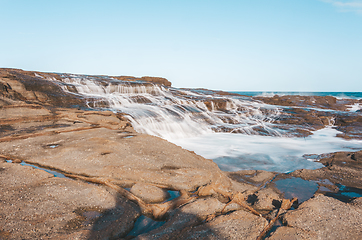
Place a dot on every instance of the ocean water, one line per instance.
(350, 95)
(235, 131)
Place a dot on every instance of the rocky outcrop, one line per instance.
(302, 114)
(158, 80)
(77, 147)
(324, 102)
(340, 168)
(68, 172)
(326, 218)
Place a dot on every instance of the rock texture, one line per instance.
(68, 172)
(149, 193)
(302, 114)
(326, 218)
(36, 205)
(237, 225)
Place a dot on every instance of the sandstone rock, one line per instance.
(327, 218)
(290, 233)
(341, 168)
(149, 193)
(26, 86)
(262, 176)
(236, 225)
(106, 153)
(245, 188)
(203, 207)
(36, 205)
(267, 199)
(301, 115)
(255, 177)
(188, 215)
(357, 202)
(158, 80)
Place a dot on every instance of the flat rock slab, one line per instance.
(289, 233)
(36, 205)
(104, 152)
(190, 214)
(236, 225)
(326, 218)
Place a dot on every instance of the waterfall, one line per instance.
(174, 113)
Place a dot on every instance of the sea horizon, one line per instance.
(341, 95)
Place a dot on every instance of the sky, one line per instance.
(239, 45)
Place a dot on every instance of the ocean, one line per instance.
(235, 131)
(351, 95)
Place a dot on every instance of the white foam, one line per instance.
(173, 113)
(354, 108)
(182, 117)
(235, 152)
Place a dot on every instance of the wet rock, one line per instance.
(343, 159)
(267, 199)
(341, 168)
(302, 114)
(158, 80)
(26, 86)
(350, 125)
(149, 193)
(326, 102)
(216, 104)
(326, 218)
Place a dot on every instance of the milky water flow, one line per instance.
(171, 113)
(183, 118)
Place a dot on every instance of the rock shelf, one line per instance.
(114, 175)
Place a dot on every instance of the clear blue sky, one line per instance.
(260, 45)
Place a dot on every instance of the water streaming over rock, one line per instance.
(203, 120)
(175, 113)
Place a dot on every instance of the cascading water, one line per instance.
(235, 131)
(172, 113)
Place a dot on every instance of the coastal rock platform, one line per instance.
(70, 172)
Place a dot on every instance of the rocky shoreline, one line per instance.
(69, 172)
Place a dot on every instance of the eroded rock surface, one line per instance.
(301, 115)
(36, 205)
(326, 218)
(149, 193)
(101, 155)
(343, 170)
(236, 225)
